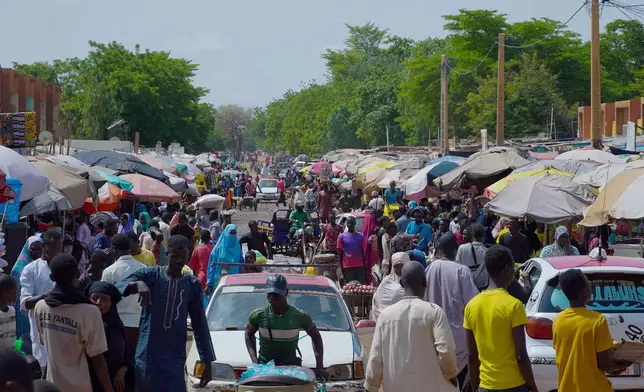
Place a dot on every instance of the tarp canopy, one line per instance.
(621, 198)
(494, 189)
(421, 184)
(126, 163)
(540, 156)
(601, 175)
(342, 155)
(75, 164)
(598, 156)
(482, 169)
(68, 182)
(546, 198)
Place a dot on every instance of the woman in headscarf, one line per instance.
(32, 250)
(298, 196)
(227, 250)
(120, 352)
(561, 246)
(125, 224)
(390, 291)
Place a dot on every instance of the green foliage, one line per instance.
(381, 81)
(150, 90)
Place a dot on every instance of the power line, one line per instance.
(477, 66)
(551, 34)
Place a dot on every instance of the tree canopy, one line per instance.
(152, 91)
(380, 81)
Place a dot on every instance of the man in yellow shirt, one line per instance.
(582, 341)
(495, 331)
(139, 254)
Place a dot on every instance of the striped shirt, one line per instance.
(284, 329)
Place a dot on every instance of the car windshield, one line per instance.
(610, 293)
(268, 184)
(232, 305)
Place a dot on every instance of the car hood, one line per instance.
(267, 189)
(230, 348)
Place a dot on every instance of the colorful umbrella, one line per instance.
(158, 164)
(621, 198)
(115, 180)
(491, 191)
(546, 198)
(149, 189)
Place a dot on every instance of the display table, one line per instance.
(359, 304)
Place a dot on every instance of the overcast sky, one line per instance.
(248, 51)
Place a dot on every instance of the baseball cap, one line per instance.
(276, 284)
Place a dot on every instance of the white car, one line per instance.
(236, 296)
(267, 190)
(618, 292)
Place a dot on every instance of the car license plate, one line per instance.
(635, 370)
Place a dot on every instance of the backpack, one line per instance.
(479, 273)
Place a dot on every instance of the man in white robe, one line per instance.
(413, 348)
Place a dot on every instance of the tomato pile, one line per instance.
(353, 288)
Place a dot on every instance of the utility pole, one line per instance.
(595, 78)
(387, 126)
(500, 93)
(444, 105)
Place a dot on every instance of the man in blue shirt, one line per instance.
(393, 195)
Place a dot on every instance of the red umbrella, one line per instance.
(149, 189)
(6, 192)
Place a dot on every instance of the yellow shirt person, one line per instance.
(578, 335)
(146, 257)
(491, 316)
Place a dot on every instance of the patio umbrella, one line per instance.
(79, 167)
(601, 175)
(149, 189)
(126, 163)
(181, 167)
(14, 165)
(177, 184)
(598, 156)
(421, 184)
(482, 169)
(109, 196)
(546, 198)
(621, 198)
(158, 164)
(67, 182)
(51, 200)
(115, 180)
(494, 189)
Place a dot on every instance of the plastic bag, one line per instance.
(270, 369)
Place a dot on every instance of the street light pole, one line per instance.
(595, 78)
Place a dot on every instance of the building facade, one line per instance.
(614, 116)
(21, 93)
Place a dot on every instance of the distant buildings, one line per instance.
(614, 116)
(21, 93)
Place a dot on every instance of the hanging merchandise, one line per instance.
(18, 129)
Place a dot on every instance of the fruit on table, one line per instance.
(352, 288)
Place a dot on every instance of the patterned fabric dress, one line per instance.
(161, 350)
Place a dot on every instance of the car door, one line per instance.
(530, 279)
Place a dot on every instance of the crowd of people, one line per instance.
(102, 303)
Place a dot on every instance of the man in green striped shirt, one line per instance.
(279, 326)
